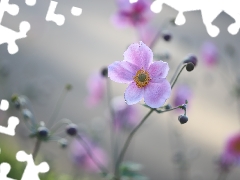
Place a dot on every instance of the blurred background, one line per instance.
(53, 56)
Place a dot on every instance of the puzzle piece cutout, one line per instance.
(7, 35)
(4, 170)
(12, 121)
(209, 9)
(30, 2)
(10, 129)
(59, 19)
(31, 171)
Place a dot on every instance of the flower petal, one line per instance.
(155, 94)
(158, 70)
(122, 72)
(133, 94)
(139, 54)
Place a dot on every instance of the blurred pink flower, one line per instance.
(96, 86)
(210, 54)
(132, 14)
(125, 117)
(146, 79)
(232, 148)
(182, 93)
(225, 163)
(81, 158)
(147, 34)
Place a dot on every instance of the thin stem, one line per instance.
(178, 76)
(159, 111)
(113, 143)
(177, 70)
(36, 148)
(58, 107)
(121, 156)
(89, 152)
(59, 124)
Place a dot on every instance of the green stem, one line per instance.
(175, 80)
(176, 72)
(121, 156)
(36, 149)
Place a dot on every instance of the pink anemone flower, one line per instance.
(96, 86)
(232, 148)
(125, 117)
(132, 14)
(81, 158)
(146, 79)
(209, 54)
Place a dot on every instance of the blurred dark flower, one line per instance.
(96, 86)
(210, 54)
(147, 34)
(132, 14)
(125, 116)
(81, 158)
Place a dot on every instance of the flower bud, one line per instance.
(27, 114)
(43, 132)
(190, 66)
(168, 106)
(68, 87)
(191, 58)
(183, 119)
(167, 36)
(71, 129)
(104, 72)
(63, 143)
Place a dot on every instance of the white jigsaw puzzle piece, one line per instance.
(4, 105)
(31, 171)
(76, 11)
(51, 16)
(12, 124)
(209, 9)
(7, 35)
(4, 170)
(30, 2)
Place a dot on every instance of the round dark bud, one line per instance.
(71, 129)
(192, 59)
(167, 107)
(104, 72)
(190, 67)
(17, 104)
(183, 119)
(167, 36)
(63, 143)
(43, 132)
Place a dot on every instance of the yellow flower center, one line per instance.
(142, 78)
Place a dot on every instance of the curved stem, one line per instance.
(89, 152)
(121, 156)
(175, 80)
(57, 108)
(36, 148)
(177, 70)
